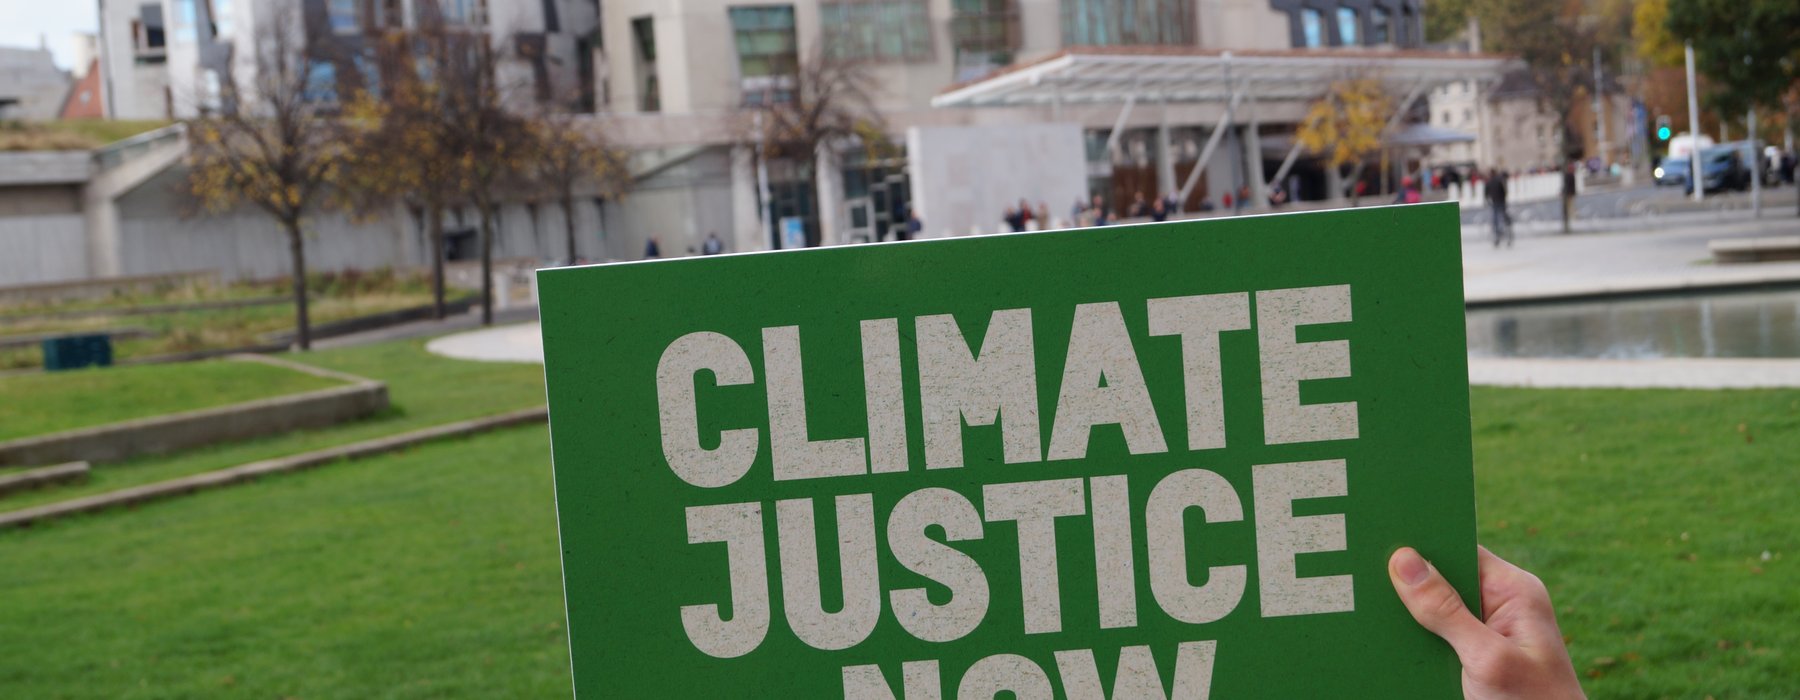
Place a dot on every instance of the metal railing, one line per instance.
(117, 153)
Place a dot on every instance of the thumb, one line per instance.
(1437, 606)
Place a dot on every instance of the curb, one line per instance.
(248, 472)
(43, 476)
(171, 432)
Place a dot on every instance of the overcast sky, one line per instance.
(55, 20)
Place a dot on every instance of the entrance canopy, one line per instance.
(1112, 74)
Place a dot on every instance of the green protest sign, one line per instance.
(1152, 461)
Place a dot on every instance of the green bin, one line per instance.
(77, 351)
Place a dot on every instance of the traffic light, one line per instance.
(1662, 128)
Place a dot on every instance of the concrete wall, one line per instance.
(678, 205)
(158, 234)
(1241, 24)
(965, 177)
(42, 249)
(30, 78)
(179, 431)
(132, 90)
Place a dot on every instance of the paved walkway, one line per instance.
(1542, 265)
(522, 342)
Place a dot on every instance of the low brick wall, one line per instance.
(179, 431)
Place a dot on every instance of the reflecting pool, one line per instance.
(1742, 324)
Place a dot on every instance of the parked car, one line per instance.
(1672, 172)
(1722, 168)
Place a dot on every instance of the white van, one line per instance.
(1682, 144)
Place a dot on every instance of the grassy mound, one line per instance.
(36, 404)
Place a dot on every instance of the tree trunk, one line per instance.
(434, 228)
(487, 261)
(812, 205)
(297, 251)
(568, 207)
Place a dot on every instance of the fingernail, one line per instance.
(1411, 567)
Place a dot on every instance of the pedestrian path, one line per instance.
(522, 342)
(1681, 373)
(1538, 268)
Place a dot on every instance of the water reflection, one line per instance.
(1752, 324)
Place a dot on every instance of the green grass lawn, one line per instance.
(423, 389)
(434, 573)
(1648, 513)
(70, 134)
(35, 404)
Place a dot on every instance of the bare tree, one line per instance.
(827, 102)
(278, 148)
(440, 134)
(570, 152)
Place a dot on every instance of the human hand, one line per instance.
(1517, 653)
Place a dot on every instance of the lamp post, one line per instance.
(1694, 168)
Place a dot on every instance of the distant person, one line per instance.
(712, 245)
(1139, 206)
(1043, 215)
(1097, 215)
(1278, 196)
(651, 250)
(912, 227)
(1568, 195)
(1159, 211)
(1027, 216)
(1015, 222)
(1408, 194)
(1496, 197)
(1243, 197)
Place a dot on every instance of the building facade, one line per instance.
(681, 85)
(1516, 133)
(678, 76)
(31, 86)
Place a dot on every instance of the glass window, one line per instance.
(212, 90)
(876, 29)
(643, 29)
(652, 100)
(470, 12)
(985, 33)
(1312, 28)
(1347, 26)
(221, 17)
(1127, 22)
(148, 30)
(186, 21)
(1378, 26)
(346, 19)
(768, 54)
(321, 82)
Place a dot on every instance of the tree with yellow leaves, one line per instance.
(274, 145)
(569, 152)
(439, 134)
(1346, 124)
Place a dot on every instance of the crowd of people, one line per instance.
(1095, 211)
